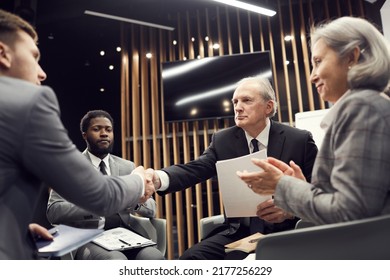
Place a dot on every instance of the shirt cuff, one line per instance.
(164, 179)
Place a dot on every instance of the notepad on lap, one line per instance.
(247, 244)
(119, 239)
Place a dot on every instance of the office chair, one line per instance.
(208, 224)
(152, 228)
(356, 240)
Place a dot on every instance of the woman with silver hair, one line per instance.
(350, 180)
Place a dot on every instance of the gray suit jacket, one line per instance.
(351, 173)
(60, 211)
(35, 148)
(285, 143)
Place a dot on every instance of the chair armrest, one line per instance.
(161, 228)
(207, 224)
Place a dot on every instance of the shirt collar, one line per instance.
(96, 161)
(262, 137)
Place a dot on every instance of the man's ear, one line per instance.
(5, 57)
(270, 107)
(84, 135)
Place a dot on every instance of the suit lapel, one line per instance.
(114, 168)
(85, 153)
(276, 140)
(240, 145)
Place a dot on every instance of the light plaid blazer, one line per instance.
(350, 178)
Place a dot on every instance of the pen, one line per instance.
(124, 242)
(53, 231)
(254, 240)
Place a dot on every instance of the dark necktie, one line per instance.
(114, 220)
(102, 167)
(255, 144)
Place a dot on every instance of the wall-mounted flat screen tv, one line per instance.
(203, 88)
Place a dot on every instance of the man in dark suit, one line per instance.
(97, 129)
(35, 148)
(254, 104)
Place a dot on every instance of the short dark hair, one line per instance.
(86, 120)
(10, 24)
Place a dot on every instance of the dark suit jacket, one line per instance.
(285, 143)
(35, 148)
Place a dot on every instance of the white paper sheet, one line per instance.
(238, 199)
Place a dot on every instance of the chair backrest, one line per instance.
(356, 240)
(153, 228)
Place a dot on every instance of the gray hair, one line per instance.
(346, 33)
(266, 90)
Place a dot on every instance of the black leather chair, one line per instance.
(365, 239)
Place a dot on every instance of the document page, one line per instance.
(238, 199)
(122, 239)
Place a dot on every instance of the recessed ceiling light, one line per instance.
(149, 24)
(249, 7)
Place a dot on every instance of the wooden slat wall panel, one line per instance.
(180, 224)
(229, 39)
(168, 201)
(125, 91)
(154, 110)
(295, 60)
(273, 61)
(285, 67)
(188, 192)
(239, 35)
(148, 140)
(135, 97)
(306, 59)
(198, 187)
(144, 96)
(250, 33)
(178, 195)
